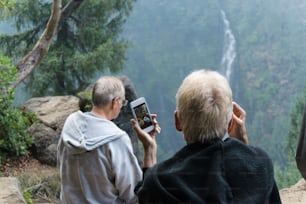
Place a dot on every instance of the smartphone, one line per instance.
(142, 114)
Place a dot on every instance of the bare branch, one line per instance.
(27, 64)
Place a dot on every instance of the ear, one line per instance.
(229, 126)
(177, 122)
(113, 102)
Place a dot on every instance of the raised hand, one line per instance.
(236, 127)
(148, 141)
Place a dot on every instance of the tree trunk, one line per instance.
(27, 64)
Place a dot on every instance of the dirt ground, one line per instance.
(34, 177)
(27, 165)
(296, 194)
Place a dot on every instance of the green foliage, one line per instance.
(296, 116)
(28, 197)
(86, 42)
(85, 100)
(290, 174)
(268, 71)
(270, 61)
(14, 140)
(7, 4)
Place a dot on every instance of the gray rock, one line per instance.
(44, 137)
(52, 110)
(51, 113)
(10, 191)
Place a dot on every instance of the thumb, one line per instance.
(135, 125)
(142, 136)
(133, 122)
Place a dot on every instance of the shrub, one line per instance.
(85, 102)
(14, 140)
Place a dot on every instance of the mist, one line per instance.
(254, 44)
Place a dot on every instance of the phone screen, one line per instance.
(142, 115)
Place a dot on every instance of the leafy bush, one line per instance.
(85, 100)
(14, 140)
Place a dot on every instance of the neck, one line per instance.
(101, 113)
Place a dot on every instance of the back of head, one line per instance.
(106, 89)
(204, 106)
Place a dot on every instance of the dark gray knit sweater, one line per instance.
(215, 172)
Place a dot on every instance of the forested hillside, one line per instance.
(171, 38)
(271, 49)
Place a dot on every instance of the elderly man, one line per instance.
(212, 167)
(97, 164)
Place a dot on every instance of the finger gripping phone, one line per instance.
(142, 114)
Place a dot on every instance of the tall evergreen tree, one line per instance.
(87, 41)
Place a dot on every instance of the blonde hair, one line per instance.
(105, 89)
(204, 105)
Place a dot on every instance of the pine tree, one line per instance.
(87, 41)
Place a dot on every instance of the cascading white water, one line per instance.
(229, 48)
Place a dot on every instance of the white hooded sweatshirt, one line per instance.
(97, 164)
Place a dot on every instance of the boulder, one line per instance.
(10, 191)
(44, 140)
(51, 112)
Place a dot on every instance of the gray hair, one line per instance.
(204, 105)
(106, 89)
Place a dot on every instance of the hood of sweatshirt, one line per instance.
(84, 132)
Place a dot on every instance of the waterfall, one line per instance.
(229, 48)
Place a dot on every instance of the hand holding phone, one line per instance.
(142, 114)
